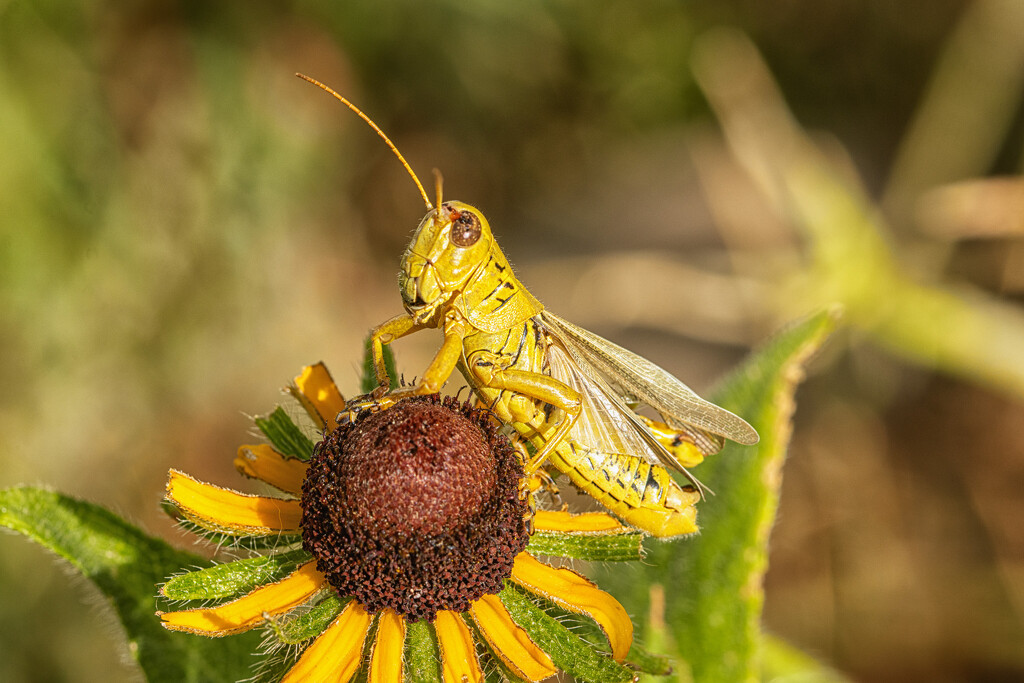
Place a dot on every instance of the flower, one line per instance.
(398, 519)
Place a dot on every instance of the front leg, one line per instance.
(385, 333)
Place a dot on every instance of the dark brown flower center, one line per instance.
(416, 508)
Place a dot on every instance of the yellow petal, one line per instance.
(248, 611)
(212, 507)
(388, 649)
(553, 520)
(319, 395)
(459, 663)
(573, 592)
(510, 642)
(264, 463)
(337, 652)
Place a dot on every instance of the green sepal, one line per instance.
(618, 547)
(568, 651)
(126, 565)
(370, 373)
(422, 654)
(285, 435)
(310, 623)
(647, 662)
(233, 578)
(227, 539)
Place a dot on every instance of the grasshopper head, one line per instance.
(450, 245)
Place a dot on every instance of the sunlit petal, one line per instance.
(337, 652)
(573, 592)
(388, 649)
(319, 395)
(509, 641)
(556, 520)
(264, 463)
(212, 507)
(459, 663)
(248, 611)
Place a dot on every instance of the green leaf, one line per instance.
(590, 547)
(567, 650)
(126, 564)
(714, 585)
(422, 656)
(233, 578)
(285, 435)
(370, 374)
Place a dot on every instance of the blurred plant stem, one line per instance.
(963, 120)
(849, 256)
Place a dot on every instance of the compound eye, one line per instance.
(466, 229)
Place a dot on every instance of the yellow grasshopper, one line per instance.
(565, 390)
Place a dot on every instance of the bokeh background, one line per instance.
(184, 224)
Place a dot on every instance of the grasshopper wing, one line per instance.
(650, 384)
(607, 429)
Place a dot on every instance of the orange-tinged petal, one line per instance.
(248, 611)
(388, 649)
(264, 463)
(212, 507)
(573, 592)
(319, 395)
(459, 663)
(556, 520)
(510, 642)
(337, 652)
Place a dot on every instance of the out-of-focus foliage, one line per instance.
(184, 222)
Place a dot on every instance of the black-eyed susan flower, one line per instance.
(404, 543)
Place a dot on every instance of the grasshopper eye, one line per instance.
(466, 229)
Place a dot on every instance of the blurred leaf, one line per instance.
(126, 565)
(783, 663)
(713, 581)
(957, 330)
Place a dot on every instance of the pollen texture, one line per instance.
(416, 508)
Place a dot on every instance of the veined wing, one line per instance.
(606, 426)
(651, 384)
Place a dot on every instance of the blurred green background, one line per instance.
(184, 224)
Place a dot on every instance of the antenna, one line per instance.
(373, 125)
(438, 183)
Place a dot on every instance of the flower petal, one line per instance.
(459, 663)
(388, 649)
(573, 592)
(263, 462)
(509, 641)
(248, 611)
(319, 395)
(337, 652)
(556, 520)
(212, 507)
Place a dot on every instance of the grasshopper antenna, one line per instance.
(391, 145)
(438, 184)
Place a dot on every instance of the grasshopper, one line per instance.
(566, 391)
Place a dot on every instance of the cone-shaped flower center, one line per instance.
(416, 508)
